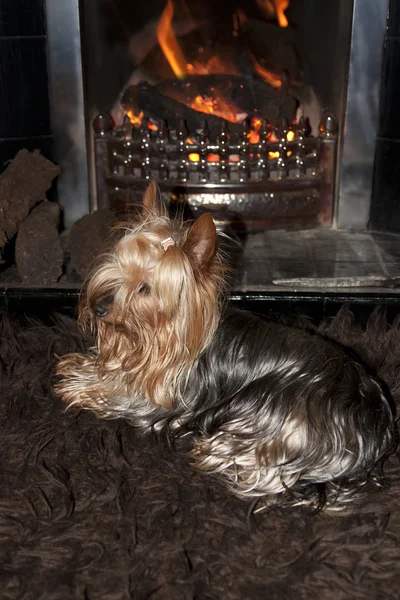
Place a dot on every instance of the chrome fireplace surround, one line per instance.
(285, 181)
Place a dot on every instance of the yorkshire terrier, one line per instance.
(283, 414)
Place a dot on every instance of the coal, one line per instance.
(38, 251)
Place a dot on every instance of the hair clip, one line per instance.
(167, 243)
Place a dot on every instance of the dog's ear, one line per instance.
(201, 241)
(152, 203)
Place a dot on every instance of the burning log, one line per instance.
(175, 100)
(233, 95)
(158, 106)
(23, 184)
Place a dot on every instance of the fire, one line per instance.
(273, 80)
(136, 120)
(254, 136)
(280, 7)
(214, 65)
(168, 42)
(212, 102)
(218, 107)
(275, 8)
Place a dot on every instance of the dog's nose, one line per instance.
(100, 310)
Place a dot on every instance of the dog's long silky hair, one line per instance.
(163, 303)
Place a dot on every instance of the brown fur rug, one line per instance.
(92, 510)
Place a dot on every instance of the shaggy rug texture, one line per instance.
(93, 510)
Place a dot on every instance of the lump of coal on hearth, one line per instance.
(38, 251)
(23, 184)
(88, 238)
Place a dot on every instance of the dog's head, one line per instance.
(154, 299)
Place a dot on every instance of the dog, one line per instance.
(285, 416)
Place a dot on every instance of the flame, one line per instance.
(213, 102)
(275, 8)
(168, 42)
(280, 7)
(273, 155)
(194, 157)
(254, 136)
(273, 80)
(136, 120)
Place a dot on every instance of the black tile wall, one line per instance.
(389, 122)
(394, 18)
(385, 208)
(385, 201)
(22, 17)
(24, 95)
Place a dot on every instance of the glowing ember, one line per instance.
(136, 120)
(290, 136)
(219, 107)
(254, 136)
(273, 137)
(215, 65)
(168, 42)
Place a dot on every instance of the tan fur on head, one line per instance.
(162, 303)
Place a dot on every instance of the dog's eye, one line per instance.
(100, 310)
(144, 289)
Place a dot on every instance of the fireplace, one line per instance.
(230, 106)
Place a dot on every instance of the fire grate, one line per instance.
(277, 177)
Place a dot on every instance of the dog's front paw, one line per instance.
(78, 381)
